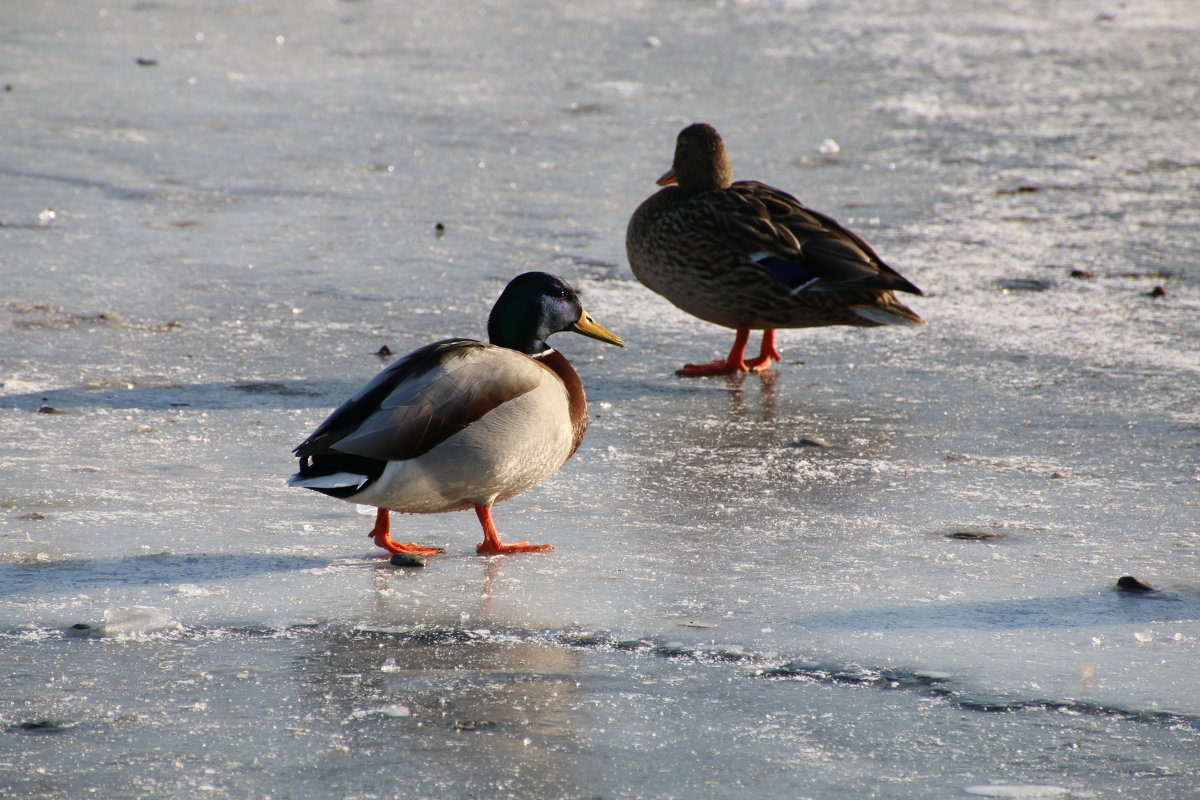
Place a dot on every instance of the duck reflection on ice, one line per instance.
(742, 407)
(471, 709)
(760, 454)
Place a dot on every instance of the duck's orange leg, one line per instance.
(733, 363)
(382, 534)
(491, 544)
(767, 354)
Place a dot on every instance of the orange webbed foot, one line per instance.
(486, 548)
(724, 367)
(491, 544)
(392, 546)
(760, 364)
(768, 354)
(735, 362)
(382, 535)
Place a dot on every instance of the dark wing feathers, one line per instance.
(415, 419)
(405, 411)
(801, 248)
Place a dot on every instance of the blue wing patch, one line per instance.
(789, 273)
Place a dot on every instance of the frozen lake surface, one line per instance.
(762, 586)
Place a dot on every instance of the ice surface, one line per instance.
(250, 200)
(1016, 790)
(137, 621)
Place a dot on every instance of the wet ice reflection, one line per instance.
(377, 711)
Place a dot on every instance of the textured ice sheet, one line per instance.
(245, 217)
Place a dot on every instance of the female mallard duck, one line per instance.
(459, 423)
(748, 256)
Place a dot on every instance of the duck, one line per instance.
(459, 423)
(748, 256)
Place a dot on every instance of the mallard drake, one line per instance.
(461, 424)
(748, 256)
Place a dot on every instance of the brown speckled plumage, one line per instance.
(748, 256)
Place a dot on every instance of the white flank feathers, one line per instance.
(883, 316)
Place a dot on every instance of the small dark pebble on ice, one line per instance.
(384, 352)
(439, 229)
(33, 515)
(49, 410)
(146, 62)
(974, 535)
(1027, 189)
(1128, 583)
(1157, 291)
(407, 560)
(42, 726)
(1082, 273)
(810, 441)
(473, 725)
